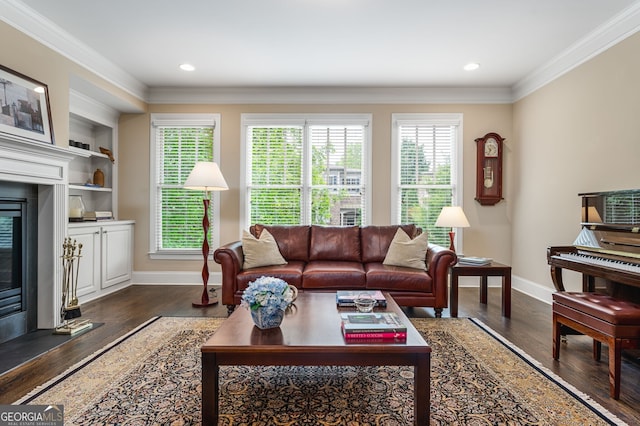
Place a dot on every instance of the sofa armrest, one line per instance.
(439, 260)
(230, 257)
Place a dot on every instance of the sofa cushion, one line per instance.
(261, 251)
(375, 240)
(331, 274)
(335, 243)
(407, 252)
(291, 273)
(293, 241)
(390, 278)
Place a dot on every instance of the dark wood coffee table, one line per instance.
(309, 336)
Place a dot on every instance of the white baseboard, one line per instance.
(174, 278)
(530, 288)
(537, 291)
(103, 292)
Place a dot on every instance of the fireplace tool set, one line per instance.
(70, 309)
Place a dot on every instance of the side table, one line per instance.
(494, 269)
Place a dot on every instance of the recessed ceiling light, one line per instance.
(471, 66)
(187, 67)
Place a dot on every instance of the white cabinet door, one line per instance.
(87, 266)
(117, 254)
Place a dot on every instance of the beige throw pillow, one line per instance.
(406, 252)
(260, 252)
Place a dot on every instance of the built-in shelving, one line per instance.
(95, 132)
(89, 188)
(107, 245)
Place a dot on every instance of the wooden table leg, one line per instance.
(453, 297)
(484, 282)
(421, 390)
(210, 391)
(506, 294)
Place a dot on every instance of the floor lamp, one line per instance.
(452, 217)
(206, 176)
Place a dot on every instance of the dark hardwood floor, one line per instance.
(529, 328)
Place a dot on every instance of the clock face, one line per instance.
(491, 148)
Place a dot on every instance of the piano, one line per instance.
(607, 249)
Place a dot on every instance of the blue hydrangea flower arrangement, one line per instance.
(267, 298)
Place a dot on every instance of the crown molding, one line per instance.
(612, 32)
(23, 18)
(328, 95)
(26, 20)
(90, 109)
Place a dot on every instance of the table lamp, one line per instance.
(205, 176)
(452, 217)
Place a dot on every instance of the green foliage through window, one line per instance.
(425, 176)
(306, 174)
(180, 211)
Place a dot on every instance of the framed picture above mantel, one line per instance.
(24, 108)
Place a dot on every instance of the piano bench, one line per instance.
(614, 322)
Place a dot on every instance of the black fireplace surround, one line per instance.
(18, 259)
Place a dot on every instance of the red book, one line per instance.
(384, 336)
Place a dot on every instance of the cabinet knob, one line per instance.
(97, 232)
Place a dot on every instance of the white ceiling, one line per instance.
(332, 43)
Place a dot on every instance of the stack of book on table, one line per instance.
(382, 327)
(347, 297)
(472, 260)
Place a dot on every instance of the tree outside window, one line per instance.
(178, 141)
(425, 181)
(306, 174)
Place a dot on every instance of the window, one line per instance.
(306, 169)
(621, 207)
(178, 141)
(425, 172)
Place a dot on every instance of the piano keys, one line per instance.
(607, 250)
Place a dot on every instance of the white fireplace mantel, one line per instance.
(47, 166)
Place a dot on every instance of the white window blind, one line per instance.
(275, 180)
(177, 212)
(622, 208)
(337, 175)
(425, 172)
(307, 170)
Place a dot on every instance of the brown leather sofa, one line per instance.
(323, 258)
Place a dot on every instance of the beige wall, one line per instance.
(490, 232)
(26, 56)
(578, 134)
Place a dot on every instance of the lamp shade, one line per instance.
(452, 217)
(206, 176)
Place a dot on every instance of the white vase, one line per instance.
(265, 319)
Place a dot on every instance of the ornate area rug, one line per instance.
(152, 376)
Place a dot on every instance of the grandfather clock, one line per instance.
(489, 169)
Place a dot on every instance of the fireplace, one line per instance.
(18, 259)
(33, 210)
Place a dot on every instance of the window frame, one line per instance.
(457, 166)
(182, 120)
(305, 121)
